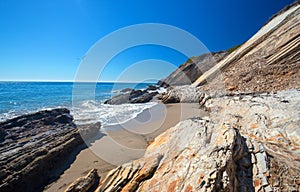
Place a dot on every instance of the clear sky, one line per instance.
(46, 39)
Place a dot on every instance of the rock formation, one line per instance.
(86, 183)
(249, 143)
(34, 145)
(181, 94)
(133, 96)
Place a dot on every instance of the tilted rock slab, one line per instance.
(84, 184)
(133, 96)
(33, 146)
(249, 143)
(270, 60)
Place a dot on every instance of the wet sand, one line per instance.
(121, 143)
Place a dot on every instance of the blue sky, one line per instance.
(45, 40)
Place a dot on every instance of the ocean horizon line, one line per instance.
(65, 81)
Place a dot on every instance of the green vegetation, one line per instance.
(230, 50)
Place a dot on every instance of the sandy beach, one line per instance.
(121, 143)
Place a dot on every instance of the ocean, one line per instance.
(18, 98)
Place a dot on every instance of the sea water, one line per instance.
(18, 98)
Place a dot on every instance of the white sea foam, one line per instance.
(16, 113)
(92, 111)
(10, 114)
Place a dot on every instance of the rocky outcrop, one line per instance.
(125, 97)
(34, 146)
(126, 90)
(270, 125)
(152, 88)
(249, 143)
(89, 131)
(181, 94)
(135, 173)
(191, 70)
(86, 183)
(266, 62)
(2, 134)
(144, 98)
(134, 96)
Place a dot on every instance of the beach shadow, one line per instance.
(240, 171)
(65, 163)
(244, 170)
(88, 141)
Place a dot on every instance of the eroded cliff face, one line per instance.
(194, 67)
(248, 143)
(269, 61)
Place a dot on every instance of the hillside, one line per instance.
(269, 61)
(194, 67)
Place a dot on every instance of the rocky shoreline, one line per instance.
(134, 96)
(250, 141)
(35, 148)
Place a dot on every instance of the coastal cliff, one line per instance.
(192, 69)
(250, 139)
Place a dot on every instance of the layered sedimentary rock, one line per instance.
(190, 71)
(181, 94)
(33, 147)
(270, 60)
(269, 123)
(249, 143)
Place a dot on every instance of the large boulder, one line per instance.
(144, 98)
(135, 96)
(118, 99)
(181, 94)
